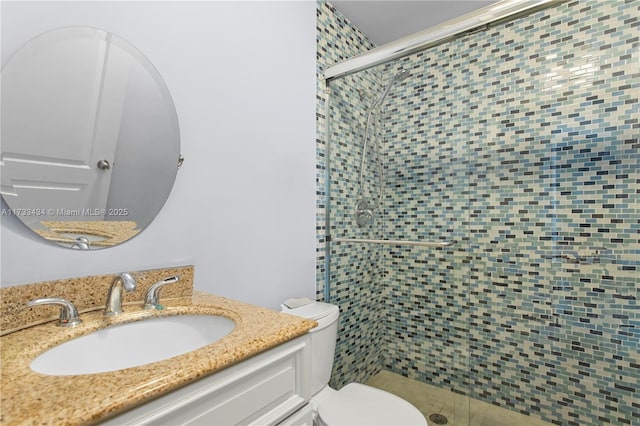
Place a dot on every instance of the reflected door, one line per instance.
(62, 109)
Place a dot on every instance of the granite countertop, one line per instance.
(32, 398)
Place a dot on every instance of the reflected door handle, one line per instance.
(104, 165)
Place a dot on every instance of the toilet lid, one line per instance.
(357, 404)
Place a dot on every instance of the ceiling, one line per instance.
(384, 21)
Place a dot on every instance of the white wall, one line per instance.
(242, 210)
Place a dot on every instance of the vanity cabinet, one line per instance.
(271, 388)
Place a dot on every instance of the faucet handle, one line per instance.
(152, 298)
(68, 312)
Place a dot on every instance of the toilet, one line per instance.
(355, 404)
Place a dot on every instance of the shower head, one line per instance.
(396, 79)
(401, 75)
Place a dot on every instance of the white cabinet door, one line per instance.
(263, 390)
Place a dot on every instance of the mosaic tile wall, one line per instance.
(521, 144)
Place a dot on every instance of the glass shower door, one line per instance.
(404, 306)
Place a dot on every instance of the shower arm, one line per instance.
(364, 151)
(372, 112)
(380, 170)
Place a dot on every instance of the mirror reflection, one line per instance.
(90, 139)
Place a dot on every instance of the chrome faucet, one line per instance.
(122, 281)
(152, 299)
(68, 312)
(81, 243)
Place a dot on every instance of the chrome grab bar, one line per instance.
(396, 242)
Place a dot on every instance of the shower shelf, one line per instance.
(396, 242)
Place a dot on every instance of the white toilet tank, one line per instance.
(323, 339)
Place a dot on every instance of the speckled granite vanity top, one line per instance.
(32, 398)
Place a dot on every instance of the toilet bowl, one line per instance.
(354, 404)
(357, 404)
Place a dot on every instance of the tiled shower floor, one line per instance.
(459, 410)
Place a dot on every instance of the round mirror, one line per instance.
(90, 139)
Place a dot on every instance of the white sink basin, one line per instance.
(132, 344)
